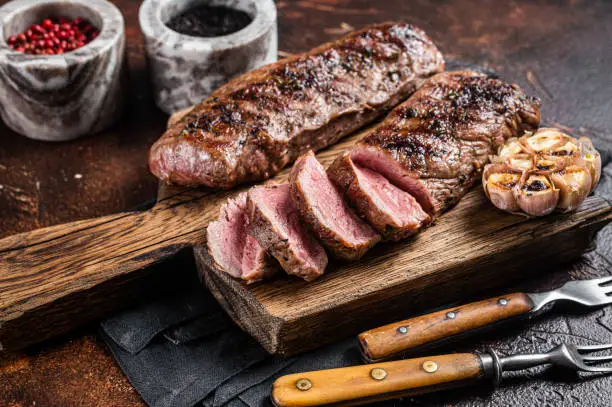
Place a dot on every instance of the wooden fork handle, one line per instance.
(382, 381)
(386, 341)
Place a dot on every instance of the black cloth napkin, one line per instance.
(206, 360)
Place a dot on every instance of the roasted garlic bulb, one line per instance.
(542, 172)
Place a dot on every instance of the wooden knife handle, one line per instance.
(384, 342)
(382, 381)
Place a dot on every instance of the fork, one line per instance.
(432, 329)
(388, 380)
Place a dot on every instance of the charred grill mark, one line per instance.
(480, 93)
(221, 116)
(306, 77)
(407, 112)
(447, 128)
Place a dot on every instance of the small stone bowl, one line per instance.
(185, 69)
(62, 97)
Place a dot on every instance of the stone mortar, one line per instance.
(62, 97)
(184, 69)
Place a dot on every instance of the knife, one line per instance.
(389, 380)
(429, 330)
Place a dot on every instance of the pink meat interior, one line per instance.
(397, 203)
(253, 258)
(383, 164)
(226, 236)
(329, 206)
(277, 205)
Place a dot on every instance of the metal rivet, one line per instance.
(430, 366)
(378, 374)
(451, 315)
(303, 384)
(402, 329)
(502, 301)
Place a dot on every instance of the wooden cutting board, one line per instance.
(55, 279)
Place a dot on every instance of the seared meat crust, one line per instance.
(444, 133)
(255, 125)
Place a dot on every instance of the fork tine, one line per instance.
(596, 369)
(593, 348)
(595, 359)
(603, 280)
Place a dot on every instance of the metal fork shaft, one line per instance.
(520, 362)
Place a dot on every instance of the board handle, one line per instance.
(389, 340)
(370, 383)
(57, 278)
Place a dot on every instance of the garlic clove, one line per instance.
(520, 162)
(491, 169)
(512, 147)
(536, 195)
(499, 188)
(592, 160)
(545, 139)
(546, 164)
(568, 149)
(574, 184)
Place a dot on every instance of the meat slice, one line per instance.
(226, 237)
(231, 249)
(276, 224)
(253, 126)
(327, 216)
(394, 213)
(435, 144)
(257, 264)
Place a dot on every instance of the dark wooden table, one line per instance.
(558, 50)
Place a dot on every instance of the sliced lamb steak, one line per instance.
(393, 212)
(257, 264)
(275, 223)
(252, 127)
(225, 237)
(435, 144)
(231, 249)
(327, 216)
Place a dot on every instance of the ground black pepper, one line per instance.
(209, 21)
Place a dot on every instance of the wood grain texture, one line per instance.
(369, 383)
(50, 278)
(55, 279)
(470, 249)
(386, 341)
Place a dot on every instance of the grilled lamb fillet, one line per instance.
(394, 213)
(231, 249)
(435, 144)
(327, 216)
(256, 124)
(276, 224)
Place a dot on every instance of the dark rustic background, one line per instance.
(558, 50)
